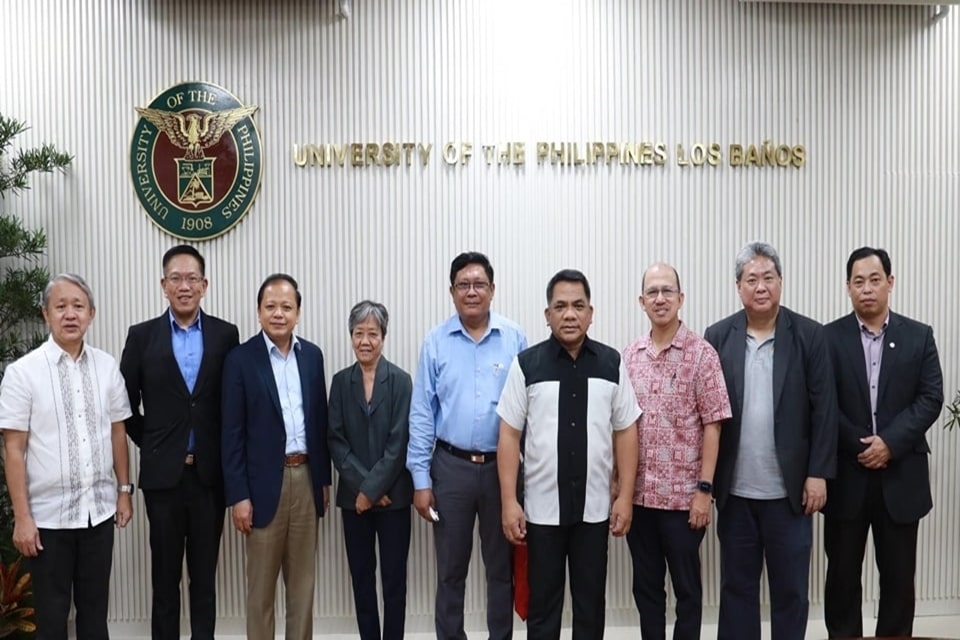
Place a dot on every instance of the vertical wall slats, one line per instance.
(873, 93)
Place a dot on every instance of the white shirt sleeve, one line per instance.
(625, 410)
(512, 407)
(16, 400)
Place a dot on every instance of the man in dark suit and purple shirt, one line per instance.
(890, 390)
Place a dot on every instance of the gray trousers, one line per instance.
(463, 491)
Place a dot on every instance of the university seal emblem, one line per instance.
(195, 160)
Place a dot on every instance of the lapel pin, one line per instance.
(893, 345)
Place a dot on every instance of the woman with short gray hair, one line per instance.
(368, 434)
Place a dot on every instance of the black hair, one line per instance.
(184, 250)
(866, 252)
(467, 258)
(278, 277)
(567, 275)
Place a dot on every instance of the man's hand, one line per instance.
(385, 501)
(422, 501)
(326, 498)
(814, 495)
(124, 509)
(700, 508)
(242, 513)
(876, 455)
(363, 503)
(26, 537)
(621, 515)
(514, 523)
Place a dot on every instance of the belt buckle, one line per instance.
(478, 458)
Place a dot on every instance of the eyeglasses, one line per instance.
(176, 279)
(479, 287)
(668, 293)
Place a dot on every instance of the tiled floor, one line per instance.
(941, 626)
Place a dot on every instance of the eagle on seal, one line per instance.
(194, 132)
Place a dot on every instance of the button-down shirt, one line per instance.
(455, 393)
(286, 374)
(570, 409)
(680, 389)
(872, 354)
(68, 407)
(187, 346)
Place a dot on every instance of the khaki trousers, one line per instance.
(288, 543)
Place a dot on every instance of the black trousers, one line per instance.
(187, 518)
(77, 561)
(390, 529)
(895, 545)
(751, 533)
(549, 549)
(659, 537)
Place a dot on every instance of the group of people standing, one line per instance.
(555, 446)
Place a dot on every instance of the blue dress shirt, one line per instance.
(187, 346)
(286, 374)
(457, 388)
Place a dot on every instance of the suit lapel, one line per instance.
(165, 331)
(266, 372)
(891, 353)
(853, 345)
(305, 383)
(783, 354)
(379, 385)
(207, 337)
(357, 393)
(738, 344)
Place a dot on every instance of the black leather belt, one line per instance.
(476, 457)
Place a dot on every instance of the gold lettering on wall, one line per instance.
(556, 153)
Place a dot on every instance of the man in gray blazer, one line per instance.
(775, 453)
(890, 390)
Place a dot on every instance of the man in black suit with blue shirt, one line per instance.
(172, 366)
(890, 390)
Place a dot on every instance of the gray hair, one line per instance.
(753, 250)
(369, 309)
(72, 278)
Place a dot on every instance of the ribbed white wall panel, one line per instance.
(872, 92)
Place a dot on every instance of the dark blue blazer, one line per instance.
(254, 437)
(909, 400)
(804, 396)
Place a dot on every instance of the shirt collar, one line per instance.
(176, 326)
(272, 347)
(454, 324)
(561, 351)
(55, 352)
(679, 338)
(865, 329)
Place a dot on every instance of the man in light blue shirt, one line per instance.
(453, 442)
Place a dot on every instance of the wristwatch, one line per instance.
(705, 487)
(125, 488)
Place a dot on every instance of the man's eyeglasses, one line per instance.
(479, 287)
(176, 279)
(668, 293)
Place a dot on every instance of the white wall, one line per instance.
(872, 93)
